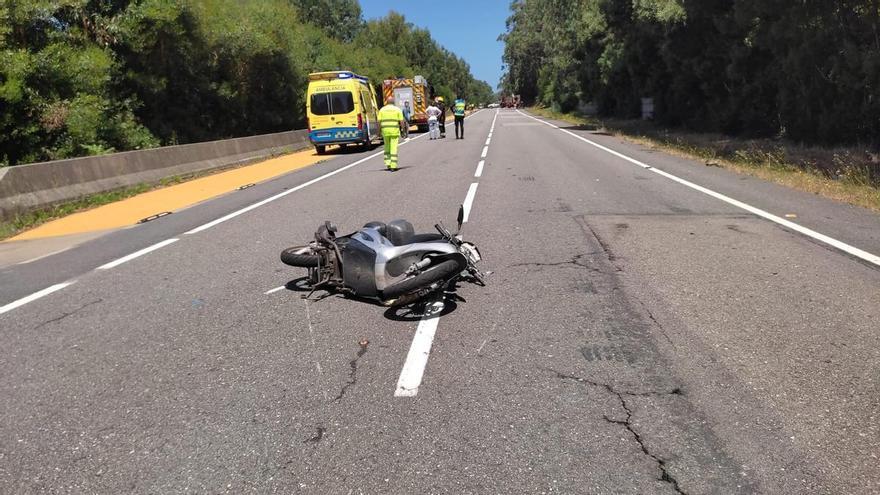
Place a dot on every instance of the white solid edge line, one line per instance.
(136, 254)
(417, 358)
(479, 172)
(842, 246)
(280, 195)
(35, 296)
(292, 190)
(469, 201)
(272, 291)
(38, 258)
(539, 120)
(852, 250)
(485, 151)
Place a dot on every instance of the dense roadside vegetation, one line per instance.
(806, 71)
(84, 77)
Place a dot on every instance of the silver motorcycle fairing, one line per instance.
(386, 252)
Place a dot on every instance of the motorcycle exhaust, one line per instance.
(412, 297)
(402, 300)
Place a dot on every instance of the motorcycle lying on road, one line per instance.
(388, 263)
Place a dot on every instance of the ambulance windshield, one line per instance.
(336, 103)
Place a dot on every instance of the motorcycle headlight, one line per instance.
(471, 252)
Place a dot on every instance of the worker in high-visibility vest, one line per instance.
(458, 109)
(391, 121)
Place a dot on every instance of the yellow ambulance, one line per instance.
(341, 109)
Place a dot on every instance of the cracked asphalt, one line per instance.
(635, 336)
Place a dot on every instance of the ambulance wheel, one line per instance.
(321, 149)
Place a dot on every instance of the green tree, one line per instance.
(81, 77)
(57, 97)
(339, 19)
(809, 70)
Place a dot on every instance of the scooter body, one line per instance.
(371, 262)
(386, 262)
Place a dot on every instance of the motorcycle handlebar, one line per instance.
(444, 231)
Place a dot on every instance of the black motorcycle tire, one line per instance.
(433, 274)
(290, 257)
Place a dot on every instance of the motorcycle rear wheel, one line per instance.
(435, 273)
(293, 256)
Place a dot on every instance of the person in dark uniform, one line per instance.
(441, 120)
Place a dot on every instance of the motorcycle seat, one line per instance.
(399, 232)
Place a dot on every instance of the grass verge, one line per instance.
(850, 175)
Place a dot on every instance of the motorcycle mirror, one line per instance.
(460, 217)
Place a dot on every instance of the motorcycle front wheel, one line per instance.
(435, 273)
(300, 256)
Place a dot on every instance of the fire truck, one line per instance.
(511, 101)
(413, 96)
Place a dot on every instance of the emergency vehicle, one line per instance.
(341, 109)
(413, 96)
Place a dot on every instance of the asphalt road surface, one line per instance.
(651, 325)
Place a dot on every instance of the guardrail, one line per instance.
(37, 185)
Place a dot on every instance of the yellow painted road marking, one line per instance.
(129, 211)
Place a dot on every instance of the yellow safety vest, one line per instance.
(458, 109)
(389, 120)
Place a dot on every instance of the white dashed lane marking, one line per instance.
(35, 296)
(420, 350)
(137, 254)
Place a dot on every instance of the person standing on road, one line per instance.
(433, 121)
(441, 120)
(407, 113)
(391, 121)
(458, 109)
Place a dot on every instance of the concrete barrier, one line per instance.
(28, 187)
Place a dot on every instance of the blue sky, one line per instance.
(469, 29)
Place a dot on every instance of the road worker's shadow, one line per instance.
(385, 170)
